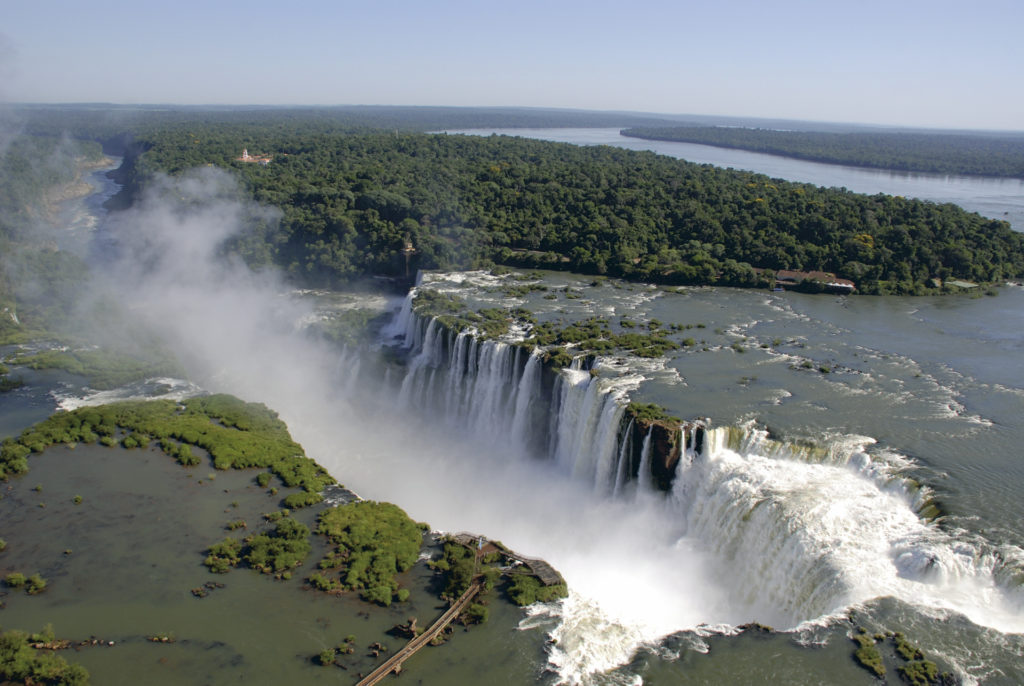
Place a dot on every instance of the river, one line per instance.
(842, 421)
(991, 197)
(836, 425)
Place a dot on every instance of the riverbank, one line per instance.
(55, 197)
(984, 155)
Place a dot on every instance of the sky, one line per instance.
(928, 63)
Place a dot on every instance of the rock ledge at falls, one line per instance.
(546, 388)
(665, 442)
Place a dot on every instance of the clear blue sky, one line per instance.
(933, 63)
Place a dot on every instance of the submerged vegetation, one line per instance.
(914, 670)
(275, 552)
(372, 543)
(234, 433)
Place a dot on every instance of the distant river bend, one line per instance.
(990, 197)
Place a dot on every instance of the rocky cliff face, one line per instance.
(668, 439)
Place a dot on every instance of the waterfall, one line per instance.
(586, 426)
(526, 399)
(490, 388)
(347, 368)
(795, 530)
(403, 324)
(622, 472)
(644, 475)
(803, 530)
(497, 390)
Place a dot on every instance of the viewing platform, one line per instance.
(539, 568)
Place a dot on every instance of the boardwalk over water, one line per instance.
(396, 660)
(481, 546)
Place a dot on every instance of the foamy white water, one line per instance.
(754, 529)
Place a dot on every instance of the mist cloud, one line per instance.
(8, 125)
(236, 332)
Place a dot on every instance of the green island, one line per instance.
(29, 658)
(464, 559)
(976, 154)
(235, 434)
(361, 204)
(372, 543)
(102, 368)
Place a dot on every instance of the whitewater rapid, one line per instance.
(753, 530)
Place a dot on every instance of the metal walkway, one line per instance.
(396, 660)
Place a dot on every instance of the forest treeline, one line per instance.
(352, 204)
(976, 154)
(357, 201)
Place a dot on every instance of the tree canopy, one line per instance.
(383, 203)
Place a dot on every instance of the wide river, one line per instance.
(991, 197)
(865, 467)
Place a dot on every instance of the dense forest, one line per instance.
(365, 192)
(357, 204)
(976, 154)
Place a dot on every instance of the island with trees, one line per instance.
(969, 154)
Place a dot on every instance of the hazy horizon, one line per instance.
(914, 64)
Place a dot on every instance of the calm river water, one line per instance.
(990, 197)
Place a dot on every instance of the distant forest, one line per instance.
(976, 154)
(364, 192)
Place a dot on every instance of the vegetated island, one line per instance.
(366, 545)
(974, 154)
